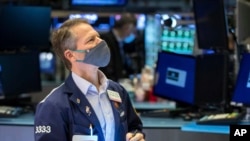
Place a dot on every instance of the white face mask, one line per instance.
(98, 56)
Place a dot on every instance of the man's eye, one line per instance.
(91, 40)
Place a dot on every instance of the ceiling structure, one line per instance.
(136, 6)
(132, 5)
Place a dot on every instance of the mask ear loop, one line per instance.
(80, 51)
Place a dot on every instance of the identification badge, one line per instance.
(113, 95)
(84, 138)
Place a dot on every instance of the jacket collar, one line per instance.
(81, 101)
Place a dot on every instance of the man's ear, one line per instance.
(68, 54)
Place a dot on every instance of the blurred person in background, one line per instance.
(123, 42)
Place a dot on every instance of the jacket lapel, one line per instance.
(82, 103)
(85, 107)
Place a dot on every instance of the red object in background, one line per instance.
(151, 96)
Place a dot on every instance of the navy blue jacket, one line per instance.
(62, 114)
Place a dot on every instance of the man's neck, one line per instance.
(90, 74)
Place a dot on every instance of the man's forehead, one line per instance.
(81, 27)
(84, 29)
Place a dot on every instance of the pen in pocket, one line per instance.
(91, 130)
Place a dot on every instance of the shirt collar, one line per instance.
(85, 85)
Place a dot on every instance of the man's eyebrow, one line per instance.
(89, 38)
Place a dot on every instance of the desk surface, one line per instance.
(23, 120)
(149, 122)
(28, 119)
(193, 127)
(154, 106)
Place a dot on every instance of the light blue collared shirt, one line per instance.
(100, 103)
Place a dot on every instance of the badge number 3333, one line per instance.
(43, 129)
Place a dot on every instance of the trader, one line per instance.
(87, 105)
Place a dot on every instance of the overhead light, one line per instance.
(169, 21)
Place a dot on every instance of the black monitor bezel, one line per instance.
(203, 41)
(20, 74)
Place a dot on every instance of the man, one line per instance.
(87, 104)
(120, 63)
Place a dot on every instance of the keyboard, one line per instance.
(221, 119)
(10, 111)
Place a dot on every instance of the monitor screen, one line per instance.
(211, 24)
(47, 62)
(180, 40)
(19, 74)
(242, 23)
(178, 33)
(24, 26)
(193, 80)
(98, 2)
(242, 87)
(175, 77)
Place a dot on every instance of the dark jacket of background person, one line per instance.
(117, 68)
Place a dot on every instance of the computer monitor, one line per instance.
(242, 87)
(47, 62)
(180, 40)
(211, 24)
(242, 23)
(24, 27)
(190, 80)
(178, 33)
(19, 74)
(241, 95)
